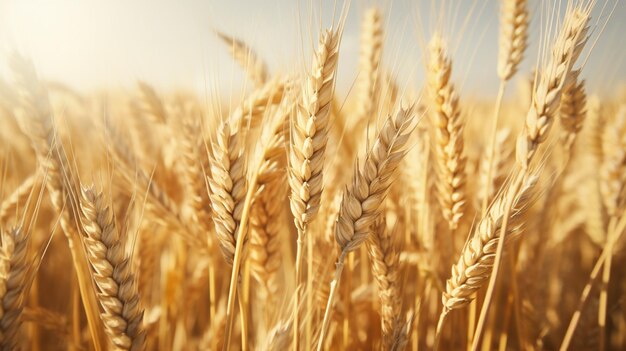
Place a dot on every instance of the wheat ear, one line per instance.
(369, 68)
(567, 47)
(251, 63)
(14, 266)
(310, 134)
(513, 37)
(251, 111)
(150, 104)
(228, 188)
(117, 288)
(448, 134)
(17, 199)
(267, 210)
(572, 110)
(384, 260)
(474, 266)
(613, 167)
(361, 204)
(192, 158)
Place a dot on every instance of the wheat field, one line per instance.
(294, 218)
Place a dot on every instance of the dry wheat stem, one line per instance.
(513, 37)
(492, 148)
(493, 275)
(571, 328)
(309, 136)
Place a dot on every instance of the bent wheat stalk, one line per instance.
(361, 204)
(309, 136)
(566, 50)
(513, 43)
(473, 268)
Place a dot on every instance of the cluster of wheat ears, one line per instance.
(289, 221)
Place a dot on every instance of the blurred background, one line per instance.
(91, 44)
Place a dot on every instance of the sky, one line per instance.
(173, 44)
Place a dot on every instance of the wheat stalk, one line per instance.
(361, 204)
(309, 136)
(567, 47)
(111, 267)
(447, 128)
(513, 37)
(512, 45)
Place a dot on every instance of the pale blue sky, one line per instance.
(171, 43)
